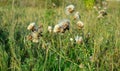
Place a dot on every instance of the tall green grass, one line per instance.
(55, 52)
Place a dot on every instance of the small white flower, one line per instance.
(76, 16)
(78, 39)
(71, 39)
(50, 29)
(80, 24)
(70, 9)
(31, 26)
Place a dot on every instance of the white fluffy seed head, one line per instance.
(70, 9)
(56, 28)
(50, 29)
(65, 24)
(80, 24)
(31, 26)
(76, 16)
(78, 39)
(62, 26)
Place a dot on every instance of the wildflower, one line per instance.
(78, 39)
(57, 28)
(62, 26)
(76, 16)
(80, 24)
(102, 12)
(35, 35)
(71, 39)
(70, 9)
(50, 29)
(40, 29)
(31, 26)
(65, 24)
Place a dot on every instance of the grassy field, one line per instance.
(100, 50)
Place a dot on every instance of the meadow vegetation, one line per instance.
(100, 50)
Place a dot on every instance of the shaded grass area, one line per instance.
(100, 50)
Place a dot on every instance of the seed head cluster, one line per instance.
(35, 32)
